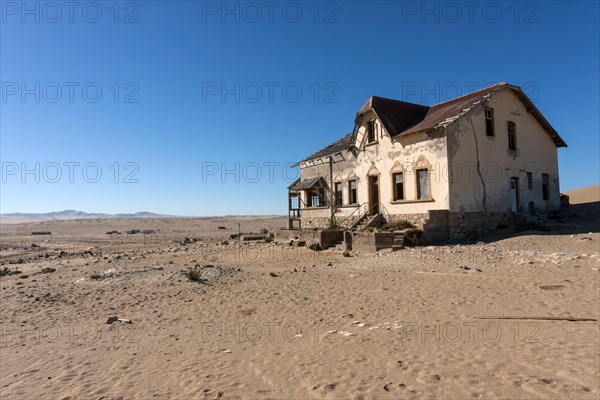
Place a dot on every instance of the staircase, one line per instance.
(365, 221)
(398, 242)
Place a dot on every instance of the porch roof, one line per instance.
(313, 183)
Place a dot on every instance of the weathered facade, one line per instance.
(467, 164)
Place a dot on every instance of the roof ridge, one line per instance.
(499, 84)
(401, 101)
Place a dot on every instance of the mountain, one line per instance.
(73, 214)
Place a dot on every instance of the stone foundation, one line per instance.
(438, 225)
(416, 219)
(325, 239)
(463, 225)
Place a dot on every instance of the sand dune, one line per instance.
(588, 194)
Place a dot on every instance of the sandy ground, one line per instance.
(274, 321)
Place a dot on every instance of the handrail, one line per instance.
(343, 223)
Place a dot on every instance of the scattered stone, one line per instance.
(435, 377)
(478, 270)
(465, 267)
(112, 319)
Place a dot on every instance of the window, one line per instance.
(398, 180)
(545, 187)
(529, 181)
(352, 192)
(371, 131)
(338, 193)
(423, 184)
(512, 135)
(316, 198)
(489, 121)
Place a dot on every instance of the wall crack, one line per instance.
(478, 165)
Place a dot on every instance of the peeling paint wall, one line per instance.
(383, 158)
(481, 166)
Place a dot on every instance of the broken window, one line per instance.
(371, 131)
(398, 179)
(529, 181)
(512, 135)
(316, 198)
(545, 187)
(423, 184)
(352, 192)
(489, 121)
(338, 193)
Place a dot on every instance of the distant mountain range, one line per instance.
(73, 214)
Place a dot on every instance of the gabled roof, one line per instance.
(401, 118)
(335, 147)
(396, 116)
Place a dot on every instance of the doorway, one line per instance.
(374, 194)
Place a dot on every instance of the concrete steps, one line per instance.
(398, 242)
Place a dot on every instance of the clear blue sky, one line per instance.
(189, 88)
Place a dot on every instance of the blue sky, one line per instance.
(199, 108)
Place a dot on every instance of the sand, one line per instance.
(588, 194)
(274, 321)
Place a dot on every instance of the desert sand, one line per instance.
(514, 315)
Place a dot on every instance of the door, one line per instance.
(374, 194)
(514, 194)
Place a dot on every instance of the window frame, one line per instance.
(371, 132)
(419, 194)
(490, 129)
(350, 202)
(530, 180)
(545, 187)
(339, 194)
(395, 195)
(512, 135)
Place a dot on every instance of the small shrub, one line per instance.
(315, 247)
(301, 243)
(95, 276)
(264, 231)
(346, 253)
(413, 237)
(397, 226)
(273, 274)
(23, 276)
(333, 225)
(193, 275)
(48, 270)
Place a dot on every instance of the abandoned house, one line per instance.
(463, 165)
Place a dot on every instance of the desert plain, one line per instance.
(511, 315)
